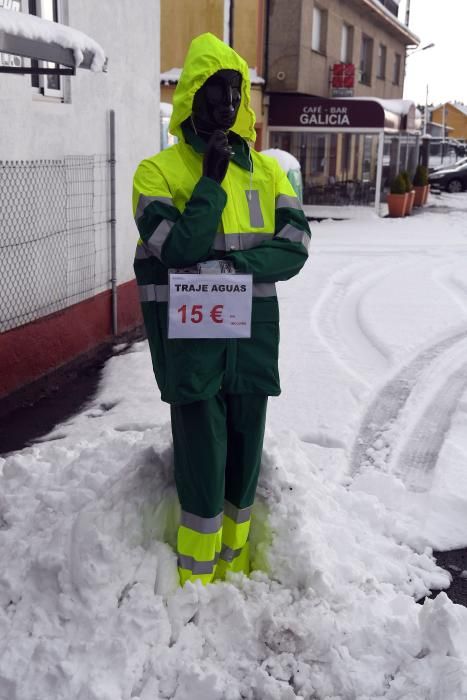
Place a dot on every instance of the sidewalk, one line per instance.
(338, 213)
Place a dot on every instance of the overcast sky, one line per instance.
(442, 67)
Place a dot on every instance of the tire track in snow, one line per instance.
(378, 435)
(420, 455)
(337, 319)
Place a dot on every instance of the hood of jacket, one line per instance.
(206, 55)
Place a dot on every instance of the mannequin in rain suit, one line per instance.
(211, 198)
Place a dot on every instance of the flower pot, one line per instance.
(410, 201)
(396, 204)
(427, 192)
(420, 195)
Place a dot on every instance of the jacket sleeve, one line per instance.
(178, 239)
(285, 254)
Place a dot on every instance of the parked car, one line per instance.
(452, 178)
(290, 166)
(455, 164)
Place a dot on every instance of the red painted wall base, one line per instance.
(32, 351)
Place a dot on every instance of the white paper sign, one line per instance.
(209, 305)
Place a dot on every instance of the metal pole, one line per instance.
(113, 228)
(379, 173)
(425, 121)
(444, 134)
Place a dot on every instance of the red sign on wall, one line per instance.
(343, 75)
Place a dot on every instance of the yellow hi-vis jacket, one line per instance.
(252, 219)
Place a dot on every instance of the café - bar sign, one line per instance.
(305, 111)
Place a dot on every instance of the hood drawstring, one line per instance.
(251, 169)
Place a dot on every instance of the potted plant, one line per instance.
(421, 185)
(410, 191)
(397, 197)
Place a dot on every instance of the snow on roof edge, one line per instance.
(20, 24)
(396, 21)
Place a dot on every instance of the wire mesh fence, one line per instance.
(54, 235)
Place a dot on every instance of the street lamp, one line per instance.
(407, 55)
(421, 48)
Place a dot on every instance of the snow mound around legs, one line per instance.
(90, 607)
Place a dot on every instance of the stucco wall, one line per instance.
(37, 129)
(302, 70)
(314, 68)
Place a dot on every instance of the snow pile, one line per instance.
(31, 27)
(349, 505)
(89, 602)
(285, 159)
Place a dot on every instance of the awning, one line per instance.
(32, 37)
(299, 111)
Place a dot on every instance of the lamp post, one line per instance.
(425, 113)
(425, 138)
(421, 48)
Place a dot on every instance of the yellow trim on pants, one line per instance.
(208, 556)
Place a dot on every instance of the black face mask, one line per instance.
(216, 103)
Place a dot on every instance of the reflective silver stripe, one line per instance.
(219, 242)
(197, 567)
(159, 237)
(264, 289)
(251, 240)
(231, 241)
(238, 515)
(285, 200)
(295, 235)
(144, 200)
(256, 215)
(153, 292)
(228, 554)
(207, 526)
(240, 241)
(141, 252)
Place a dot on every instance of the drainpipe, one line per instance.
(231, 24)
(407, 13)
(113, 222)
(266, 46)
(228, 21)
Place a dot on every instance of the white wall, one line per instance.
(33, 129)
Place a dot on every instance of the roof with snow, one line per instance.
(457, 105)
(25, 35)
(401, 28)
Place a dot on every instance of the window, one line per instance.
(381, 62)
(50, 85)
(346, 43)
(396, 78)
(318, 30)
(318, 154)
(7, 59)
(366, 59)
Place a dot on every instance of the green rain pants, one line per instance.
(217, 453)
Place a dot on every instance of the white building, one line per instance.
(56, 186)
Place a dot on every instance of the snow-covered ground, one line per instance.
(364, 472)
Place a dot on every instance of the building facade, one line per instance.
(329, 54)
(308, 40)
(67, 234)
(452, 116)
